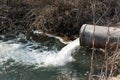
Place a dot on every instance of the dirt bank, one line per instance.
(58, 17)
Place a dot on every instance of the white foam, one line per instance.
(22, 53)
(50, 35)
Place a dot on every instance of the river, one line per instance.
(42, 58)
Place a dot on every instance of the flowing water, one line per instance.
(42, 58)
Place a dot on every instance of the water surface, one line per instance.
(41, 58)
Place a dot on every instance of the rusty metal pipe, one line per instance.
(101, 35)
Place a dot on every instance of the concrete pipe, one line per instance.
(100, 35)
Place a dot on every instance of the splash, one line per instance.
(25, 54)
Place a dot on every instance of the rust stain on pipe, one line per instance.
(100, 36)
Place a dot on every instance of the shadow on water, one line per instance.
(76, 70)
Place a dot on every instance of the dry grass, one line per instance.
(66, 17)
(60, 17)
(112, 64)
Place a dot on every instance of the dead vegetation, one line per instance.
(59, 17)
(66, 17)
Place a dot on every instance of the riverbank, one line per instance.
(61, 18)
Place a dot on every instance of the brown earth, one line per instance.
(58, 17)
